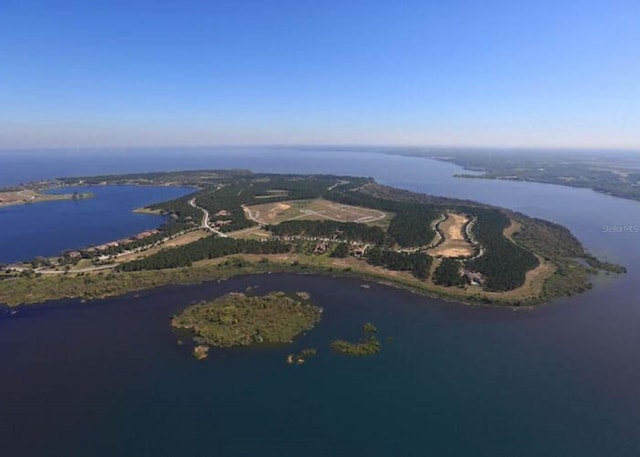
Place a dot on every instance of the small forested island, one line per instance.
(364, 347)
(236, 319)
(368, 344)
(239, 222)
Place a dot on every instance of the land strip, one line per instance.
(28, 196)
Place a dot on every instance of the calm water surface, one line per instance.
(560, 380)
(47, 229)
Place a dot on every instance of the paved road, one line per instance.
(61, 272)
(205, 219)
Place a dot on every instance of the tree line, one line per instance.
(411, 223)
(448, 273)
(327, 229)
(205, 248)
(504, 264)
(417, 263)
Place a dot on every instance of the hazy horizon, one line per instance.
(376, 148)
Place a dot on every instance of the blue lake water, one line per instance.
(107, 378)
(48, 228)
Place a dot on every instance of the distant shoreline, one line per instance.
(30, 197)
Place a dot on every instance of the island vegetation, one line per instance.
(238, 222)
(365, 347)
(236, 319)
(368, 345)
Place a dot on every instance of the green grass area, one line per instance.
(236, 319)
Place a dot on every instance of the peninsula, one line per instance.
(28, 195)
(238, 222)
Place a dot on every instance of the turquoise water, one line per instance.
(107, 378)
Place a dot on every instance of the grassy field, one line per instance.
(319, 209)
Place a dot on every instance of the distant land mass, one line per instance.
(239, 222)
(615, 173)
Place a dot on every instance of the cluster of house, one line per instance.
(474, 278)
(218, 224)
(111, 244)
(321, 247)
(356, 249)
(147, 234)
(105, 246)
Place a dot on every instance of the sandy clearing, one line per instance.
(454, 244)
(318, 209)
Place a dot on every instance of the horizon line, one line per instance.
(334, 146)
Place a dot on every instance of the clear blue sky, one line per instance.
(178, 72)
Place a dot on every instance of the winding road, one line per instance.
(205, 219)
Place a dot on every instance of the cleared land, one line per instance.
(314, 210)
(455, 244)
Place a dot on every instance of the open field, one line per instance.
(319, 209)
(454, 244)
(251, 233)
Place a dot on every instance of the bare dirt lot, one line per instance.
(277, 212)
(455, 244)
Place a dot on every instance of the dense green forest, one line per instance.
(340, 251)
(448, 273)
(417, 263)
(504, 264)
(327, 229)
(206, 248)
(411, 224)
(181, 209)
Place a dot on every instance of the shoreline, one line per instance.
(46, 198)
(554, 271)
(92, 287)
